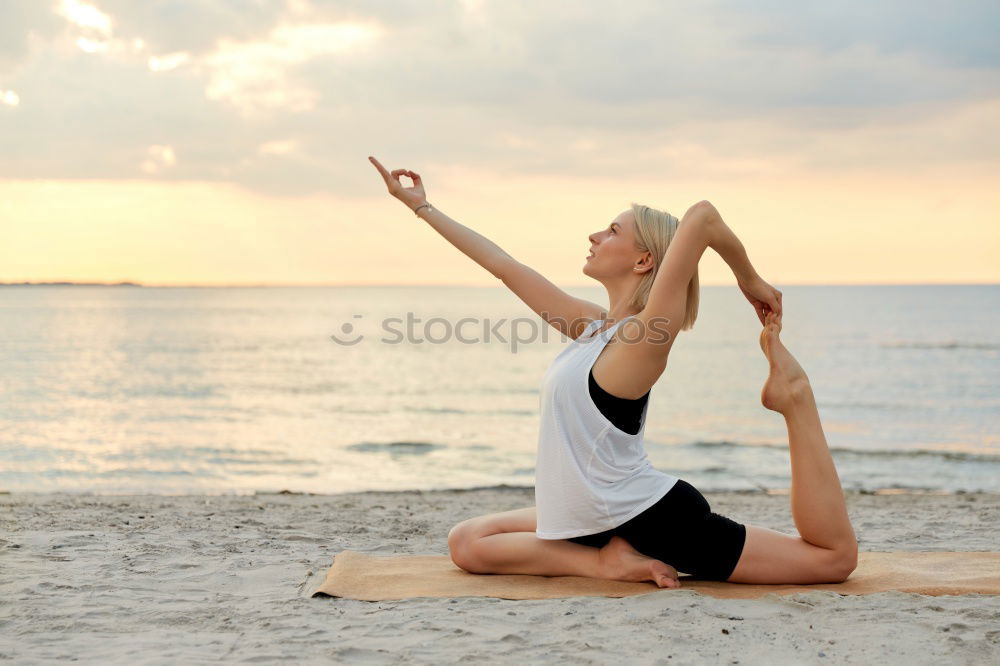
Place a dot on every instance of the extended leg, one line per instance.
(826, 549)
(817, 498)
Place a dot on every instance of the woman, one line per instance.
(602, 510)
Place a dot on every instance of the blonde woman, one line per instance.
(602, 510)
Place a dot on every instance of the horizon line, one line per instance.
(250, 285)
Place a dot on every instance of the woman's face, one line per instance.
(613, 248)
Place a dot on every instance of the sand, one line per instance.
(193, 579)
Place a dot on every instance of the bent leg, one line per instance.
(773, 557)
(525, 553)
(505, 543)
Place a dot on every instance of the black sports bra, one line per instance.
(623, 412)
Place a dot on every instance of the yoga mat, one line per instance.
(356, 575)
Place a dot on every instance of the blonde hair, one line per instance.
(654, 229)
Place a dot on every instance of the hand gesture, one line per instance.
(763, 297)
(411, 196)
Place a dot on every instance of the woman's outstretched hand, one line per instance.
(763, 297)
(411, 196)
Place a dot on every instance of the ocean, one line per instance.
(234, 390)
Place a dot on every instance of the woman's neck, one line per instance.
(620, 296)
(617, 314)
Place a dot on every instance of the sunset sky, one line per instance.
(202, 142)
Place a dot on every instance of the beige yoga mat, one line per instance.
(365, 577)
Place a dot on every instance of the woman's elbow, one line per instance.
(703, 207)
(704, 214)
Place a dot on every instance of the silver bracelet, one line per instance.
(421, 206)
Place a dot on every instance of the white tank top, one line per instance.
(590, 476)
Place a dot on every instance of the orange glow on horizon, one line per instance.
(937, 226)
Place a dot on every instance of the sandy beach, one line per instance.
(165, 579)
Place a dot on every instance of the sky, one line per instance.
(226, 141)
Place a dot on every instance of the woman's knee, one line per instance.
(517, 520)
(845, 562)
(836, 566)
(463, 536)
(461, 542)
(457, 537)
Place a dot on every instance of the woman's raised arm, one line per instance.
(563, 311)
(477, 247)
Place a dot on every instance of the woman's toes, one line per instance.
(664, 575)
(667, 581)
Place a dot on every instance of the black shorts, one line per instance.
(682, 531)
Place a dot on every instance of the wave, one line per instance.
(434, 410)
(966, 456)
(864, 405)
(411, 448)
(950, 344)
(451, 410)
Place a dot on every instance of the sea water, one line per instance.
(133, 389)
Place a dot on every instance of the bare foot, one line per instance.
(623, 562)
(787, 380)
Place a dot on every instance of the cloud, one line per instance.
(158, 158)
(290, 96)
(167, 62)
(961, 34)
(256, 77)
(20, 21)
(194, 26)
(278, 147)
(86, 16)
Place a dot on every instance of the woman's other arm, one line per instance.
(668, 293)
(722, 239)
(762, 296)
(701, 227)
